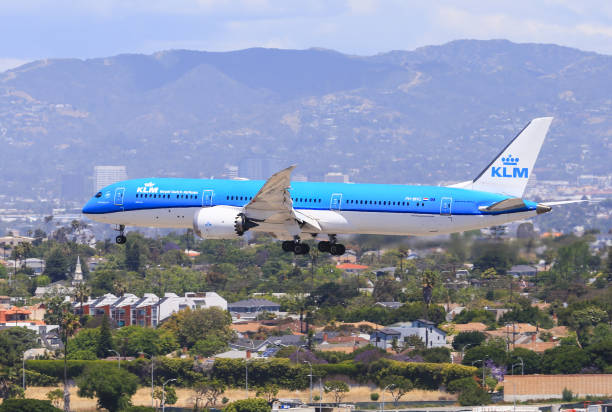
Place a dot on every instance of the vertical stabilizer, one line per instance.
(510, 171)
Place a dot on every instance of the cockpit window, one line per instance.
(99, 194)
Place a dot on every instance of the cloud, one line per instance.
(537, 27)
(8, 63)
(74, 28)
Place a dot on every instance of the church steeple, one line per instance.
(78, 273)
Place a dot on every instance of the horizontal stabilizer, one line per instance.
(563, 202)
(504, 205)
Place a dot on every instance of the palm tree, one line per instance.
(81, 291)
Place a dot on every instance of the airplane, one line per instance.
(291, 211)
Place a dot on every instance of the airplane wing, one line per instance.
(272, 208)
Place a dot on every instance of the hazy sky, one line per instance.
(34, 29)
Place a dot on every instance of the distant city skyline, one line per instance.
(76, 29)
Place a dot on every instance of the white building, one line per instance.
(107, 175)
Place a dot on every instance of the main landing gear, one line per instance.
(121, 239)
(331, 246)
(325, 246)
(296, 247)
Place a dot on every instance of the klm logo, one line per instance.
(510, 169)
(148, 188)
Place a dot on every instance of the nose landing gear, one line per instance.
(121, 239)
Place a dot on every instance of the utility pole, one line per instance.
(310, 364)
(152, 387)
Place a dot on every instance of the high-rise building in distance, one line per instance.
(107, 175)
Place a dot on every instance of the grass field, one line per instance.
(143, 396)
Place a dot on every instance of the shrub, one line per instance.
(34, 378)
(248, 405)
(27, 405)
(374, 396)
(474, 396)
(567, 395)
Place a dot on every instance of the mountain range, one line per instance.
(431, 115)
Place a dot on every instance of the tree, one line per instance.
(494, 350)
(248, 405)
(56, 264)
(192, 325)
(386, 290)
(209, 346)
(167, 398)
(564, 359)
(132, 256)
(582, 321)
(9, 384)
(434, 355)
(397, 385)
(55, 396)
(112, 386)
(13, 342)
(209, 390)
(81, 292)
(268, 392)
(60, 313)
(338, 389)
(531, 361)
(130, 340)
(414, 341)
(470, 393)
(464, 339)
(105, 340)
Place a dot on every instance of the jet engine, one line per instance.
(221, 222)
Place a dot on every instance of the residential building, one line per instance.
(427, 331)
(523, 271)
(53, 289)
(207, 300)
(253, 307)
(149, 310)
(13, 241)
(145, 310)
(121, 309)
(20, 317)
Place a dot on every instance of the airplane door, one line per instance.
(336, 201)
(119, 193)
(446, 206)
(207, 197)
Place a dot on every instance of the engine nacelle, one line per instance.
(217, 222)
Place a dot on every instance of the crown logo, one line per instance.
(149, 184)
(510, 161)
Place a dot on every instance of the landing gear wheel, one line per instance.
(301, 248)
(121, 239)
(288, 246)
(337, 249)
(324, 246)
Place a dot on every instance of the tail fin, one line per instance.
(509, 172)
